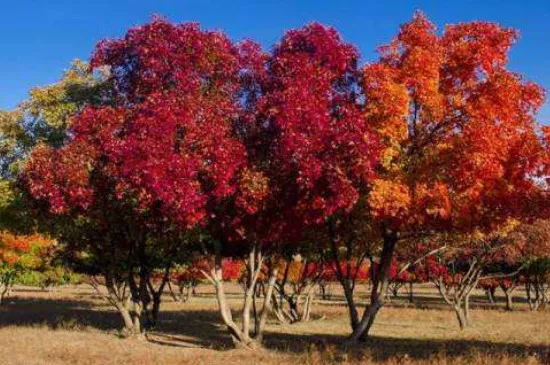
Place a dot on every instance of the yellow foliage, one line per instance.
(389, 198)
(56, 103)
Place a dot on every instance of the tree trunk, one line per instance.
(490, 292)
(379, 289)
(306, 315)
(217, 276)
(352, 306)
(241, 336)
(509, 294)
(467, 309)
(277, 309)
(129, 325)
(344, 280)
(9, 289)
(509, 301)
(155, 309)
(461, 316)
(267, 307)
(178, 297)
(323, 290)
(156, 296)
(119, 298)
(3, 291)
(137, 300)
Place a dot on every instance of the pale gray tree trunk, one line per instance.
(243, 336)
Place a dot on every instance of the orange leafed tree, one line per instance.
(462, 145)
(19, 253)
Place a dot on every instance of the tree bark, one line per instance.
(3, 291)
(156, 296)
(117, 295)
(467, 309)
(277, 309)
(461, 316)
(379, 289)
(509, 294)
(490, 292)
(267, 306)
(241, 336)
(346, 284)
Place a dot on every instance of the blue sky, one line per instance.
(39, 38)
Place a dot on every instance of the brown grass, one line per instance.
(72, 326)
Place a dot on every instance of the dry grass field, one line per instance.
(73, 326)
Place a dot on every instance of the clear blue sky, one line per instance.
(39, 38)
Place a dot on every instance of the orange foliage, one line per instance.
(462, 142)
(22, 250)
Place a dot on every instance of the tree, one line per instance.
(177, 151)
(74, 197)
(70, 196)
(461, 141)
(501, 258)
(19, 254)
(41, 119)
(534, 242)
(468, 262)
(295, 286)
(320, 152)
(538, 283)
(187, 277)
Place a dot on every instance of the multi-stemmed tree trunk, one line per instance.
(156, 295)
(119, 296)
(135, 297)
(245, 335)
(379, 280)
(457, 294)
(184, 293)
(293, 301)
(299, 303)
(347, 277)
(346, 271)
(537, 293)
(147, 297)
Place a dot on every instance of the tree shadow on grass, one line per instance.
(201, 328)
(56, 313)
(432, 303)
(382, 348)
(184, 328)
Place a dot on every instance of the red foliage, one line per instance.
(192, 272)
(168, 142)
(361, 274)
(321, 151)
(179, 90)
(232, 269)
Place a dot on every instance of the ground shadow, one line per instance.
(56, 313)
(383, 348)
(185, 327)
(201, 328)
